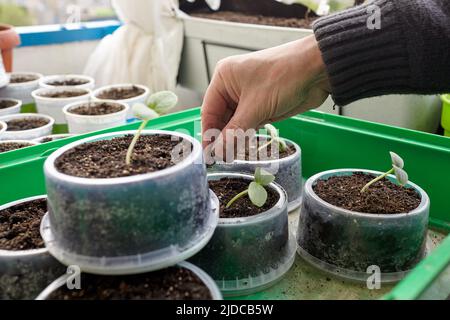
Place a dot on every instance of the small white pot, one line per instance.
(54, 137)
(46, 81)
(21, 91)
(139, 99)
(29, 144)
(27, 134)
(79, 124)
(11, 110)
(54, 106)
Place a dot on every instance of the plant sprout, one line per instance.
(324, 7)
(157, 104)
(256, 191)
(213, 4)
(397, 168)
(274, 138)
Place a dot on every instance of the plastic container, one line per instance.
(54, 137)
(21, 91)
(134, 224)
(27, 134)
(139, 99)
(288, 173)
(347, 243)
(24, 274)
(446, 114)
(46, 81)
(3, 128)
(11, 110)
(30, 143)
(249, 254)
(54, 106)
(79, 124)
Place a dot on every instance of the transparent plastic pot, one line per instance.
(288, 172)
(79, 124)
(54, 106)
(24, 274)
(27, 134)
(132, 224)
(139, 99)
(54, 137)
(21, 91)
(247, 255)
(351, 244)
(15, 109)
(202, 275)
(45, 82)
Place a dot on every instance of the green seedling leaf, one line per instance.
(401, 175)
(271, 130)
(397, 160)
(257, 194)
(162, 102)
(143, 112)
(263, 177)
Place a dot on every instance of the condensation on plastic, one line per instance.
(131, 224)
(23, 274)
(21, 91)
(27, 134)
(45, 81)
(351, 244)
(79, 124)
(11, 110)
(249, 254)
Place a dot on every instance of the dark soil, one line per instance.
(96, 109)
(22, 78)
(10, 146)
(170, 284)
(257, 19)
(106, 159)
(68, 82)
(19, 226)
(51, 139)
(384, 197)
(64, 94)
(4, 104)
(227, 188)
(26, 124)
(121, 93)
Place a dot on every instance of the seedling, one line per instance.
(274, 138)
(158, 104)
(256, 190)
(397, 168)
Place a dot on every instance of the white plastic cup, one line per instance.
(27, 134)
(54, 137)
(79, 124)
(54, 106)
(11, 110)
(21, 91)
(139, 99)
(46, 81)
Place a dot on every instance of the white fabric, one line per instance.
(145, 50)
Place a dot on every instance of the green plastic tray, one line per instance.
(327, 142)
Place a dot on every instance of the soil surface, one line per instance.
(227, 188)
(26, 124)
(121, 93)
(19, 226)
(10, 146)
(4, 104)
(96, 109)
(63, 94)
(22, 78)
(256, 19)
(169, 284)
(106, 159)
(67, 82)
(384, 197)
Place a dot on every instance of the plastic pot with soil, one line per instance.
(84, 117)
(11, 145)
(52, 101)
(9, 106)
(344, 231)
(283, 162)
(251, 248)
(130, 94)
(182, 282)
(69, 80)
(53, 137)
(96, 198)
(21, 85)
(27, 126)
(26, 267)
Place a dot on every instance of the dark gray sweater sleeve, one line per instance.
(410, 53)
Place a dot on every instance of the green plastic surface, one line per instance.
(446, 114)
(327, 142)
